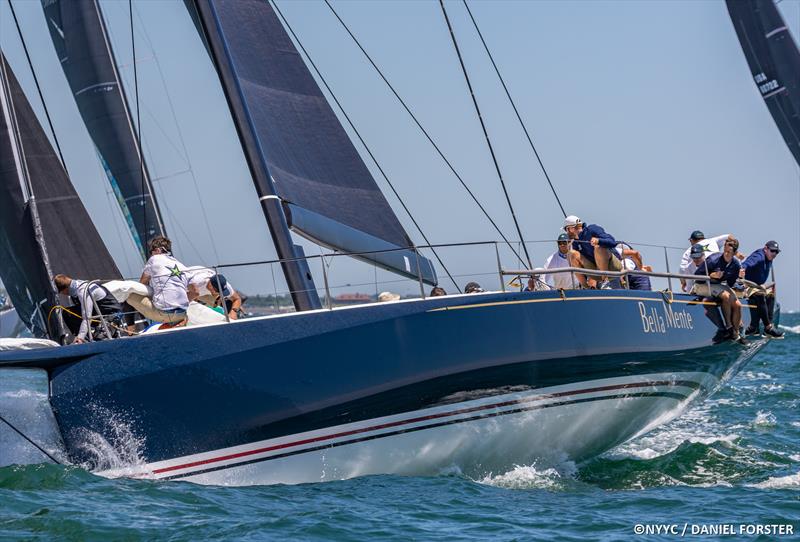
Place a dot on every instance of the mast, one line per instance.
(295, 270)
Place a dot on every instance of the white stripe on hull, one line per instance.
(491, 434)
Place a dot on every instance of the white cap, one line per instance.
(572, 220)
(388, 296)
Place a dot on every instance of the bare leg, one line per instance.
(736, 313)
(601, 256)
(725, 299)
(575, 261)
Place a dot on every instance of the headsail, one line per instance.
(84, 50)
(44, 227)
(774, 61)
(328, 193)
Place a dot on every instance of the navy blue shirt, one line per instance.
(715, 262)
(757, 267)
(583, 243)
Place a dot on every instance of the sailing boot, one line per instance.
(774, 333)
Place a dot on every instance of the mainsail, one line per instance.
(44, 227)
(328, 194)
(84, 50)
(774, 61)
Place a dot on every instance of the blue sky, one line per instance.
(643, 112)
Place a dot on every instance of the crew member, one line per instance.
(228, 298)
(709, 245)
(756, 269)
(593, 248)
(85, 296)
(723, 268)
(167, 278)
(557, 260)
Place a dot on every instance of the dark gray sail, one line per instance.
(44, 227)
(774, 61)
(328, 194)
(84, 50)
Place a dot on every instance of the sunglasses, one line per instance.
(774, 251)
(562, 242)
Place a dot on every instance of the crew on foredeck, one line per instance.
(756, 269)
(167, 278)
(85, 296)
(225, 296)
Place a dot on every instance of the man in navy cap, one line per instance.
(756, 269)
(225, 296)
(559, 259)
(709, 245)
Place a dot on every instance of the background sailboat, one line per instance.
(774, 61)
(44, 227)
(84, 51)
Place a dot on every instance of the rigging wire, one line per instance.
(138, 122)
(366, 147)
(485, 133)
(31, 442)
(38, 87)
(184, 152)
(514, 106)
(425, 132)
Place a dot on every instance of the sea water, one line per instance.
(729, 468)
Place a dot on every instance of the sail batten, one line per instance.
(774, 61)
(81, 40)
(44, 227)
(301, 146)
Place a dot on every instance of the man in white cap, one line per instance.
(592, 248)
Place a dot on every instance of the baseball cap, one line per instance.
(697, 235)
(697, 250)
(220, 281)
(572, 220)
(563, 237)
(773, 246)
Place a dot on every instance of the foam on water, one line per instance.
(529, 477)
(764, 419)
(122, 449)
(791, 329)
(791, 481)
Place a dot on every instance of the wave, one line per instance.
(791, 481)
(791, 329)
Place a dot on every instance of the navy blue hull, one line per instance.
(199, 389)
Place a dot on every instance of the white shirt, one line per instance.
(198, 277)
(169, 280)
(710, 245)
(558, 280)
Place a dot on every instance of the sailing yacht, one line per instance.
(479, 382)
